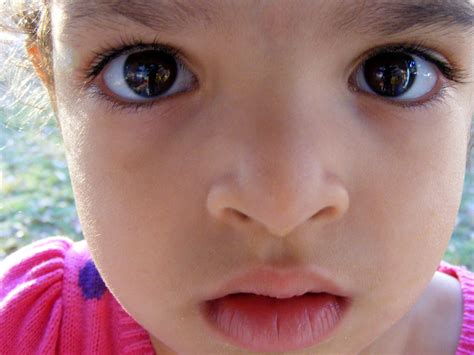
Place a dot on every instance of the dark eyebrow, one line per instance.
(376, 17)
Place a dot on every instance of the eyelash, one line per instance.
(128, 45)
(451, 71)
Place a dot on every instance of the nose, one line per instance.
(281, 206)
(283, 182)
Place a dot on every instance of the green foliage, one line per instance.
(461, 246)
(37, 199)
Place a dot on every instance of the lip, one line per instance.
(278, 283)
(266, 309)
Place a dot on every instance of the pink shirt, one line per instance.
(53, 300)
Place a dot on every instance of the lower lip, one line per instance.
(261, 323)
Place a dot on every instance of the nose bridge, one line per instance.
(282, 154)
(282, 179)
(285, 175)
(289, 127)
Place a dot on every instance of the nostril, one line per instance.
(327, 211)
(236, 214)
(241, 216)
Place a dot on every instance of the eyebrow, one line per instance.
(380, 17)
(169, 16)
(390, 18)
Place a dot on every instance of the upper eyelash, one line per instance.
(127, 45)
(451, 71)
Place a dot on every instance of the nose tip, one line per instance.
(316, 202)
(279, 227)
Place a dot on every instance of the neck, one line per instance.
(395, 340)
(432, 326)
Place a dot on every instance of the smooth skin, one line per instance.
(367, 190)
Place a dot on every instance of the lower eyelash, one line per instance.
(437, 99)
(113, 105)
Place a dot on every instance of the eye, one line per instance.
(146, 75)
(396, 75)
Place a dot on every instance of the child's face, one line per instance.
(263, 154)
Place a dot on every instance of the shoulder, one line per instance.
(443, 314)
(53, 300)
(31, 302)
(465, 280)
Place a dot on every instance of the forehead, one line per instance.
(387, 17)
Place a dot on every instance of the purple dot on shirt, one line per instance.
(90, 281)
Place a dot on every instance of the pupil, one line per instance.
(149, 73)
(390, 74)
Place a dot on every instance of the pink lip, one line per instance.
(267, 309)
(268, 281)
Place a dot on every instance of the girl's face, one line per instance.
(266, 145)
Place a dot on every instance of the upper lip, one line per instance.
(268, 281)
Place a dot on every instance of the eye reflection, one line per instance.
(400, 76)
(149, 73)
(390, 74)
(147, 76)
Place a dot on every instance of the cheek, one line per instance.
(123, 171)
(405, 197)
(411, 182)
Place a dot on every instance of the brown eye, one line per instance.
(149, 73)
(396, 75)
(390, 74)
(146, 75)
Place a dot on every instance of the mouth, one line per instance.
(282, 312)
